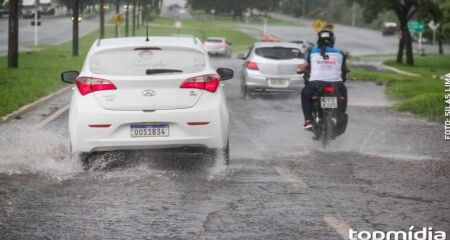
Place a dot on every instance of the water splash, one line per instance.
(27, 150)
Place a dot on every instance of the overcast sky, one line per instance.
(170, 2)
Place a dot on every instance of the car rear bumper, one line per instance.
(85, 138)
(217, 51)
(256, 80)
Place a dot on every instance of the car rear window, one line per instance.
(281, 53)
(137, 61)
(214, 40)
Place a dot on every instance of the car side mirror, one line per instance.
(225, 73)
(69, 76)
(241, 56)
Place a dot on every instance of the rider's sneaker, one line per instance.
(308, 125)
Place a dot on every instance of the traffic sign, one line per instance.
(318, 25)
(118, 19)
(433, 26)
(416, 26)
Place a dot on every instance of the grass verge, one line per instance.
(422, 95)
(39, 70)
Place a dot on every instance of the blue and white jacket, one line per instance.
(328, 69)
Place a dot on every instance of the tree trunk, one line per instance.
(409, 49)
(134, 19)
(102, 19)
(401, 47)
(13, 35)
(441, 48)
(76, 14)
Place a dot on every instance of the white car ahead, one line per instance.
(138, 94)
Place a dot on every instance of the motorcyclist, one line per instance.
(324, 65)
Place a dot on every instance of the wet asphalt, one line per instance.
(389, 171)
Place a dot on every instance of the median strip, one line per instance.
(52, 116)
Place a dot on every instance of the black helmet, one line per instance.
(326, 38)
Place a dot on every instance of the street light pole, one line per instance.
(127, 18)
(36, 13)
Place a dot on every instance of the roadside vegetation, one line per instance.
(203, 28)
(40, 68)
(423, 95)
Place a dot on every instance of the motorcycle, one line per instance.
(329, 117)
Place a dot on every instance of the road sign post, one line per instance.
(117, 20)
(178, 26)
(36, 12)
(433, 26)
(417, 26)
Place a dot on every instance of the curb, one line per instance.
(35, 104)
(396, 70)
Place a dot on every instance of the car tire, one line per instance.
(221, 154)
(245, 92)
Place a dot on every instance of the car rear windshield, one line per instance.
(281, 53)
(214, 40)
(142, 61)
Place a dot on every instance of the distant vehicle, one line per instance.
(47, 7)
(268, 38)
(79, 19)
(389, 28)
(137, 94)
(272, 66)
(28, 8)
(305, 45)
(218, 45)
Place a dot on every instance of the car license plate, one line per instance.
(149, 130)
(278, 83)
(328, 102)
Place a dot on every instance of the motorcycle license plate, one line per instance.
(149, 130)
(328, 102)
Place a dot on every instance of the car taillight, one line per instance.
(224, 45)
(87, 85)
(251, 65)
(329, 89)
(209, 82)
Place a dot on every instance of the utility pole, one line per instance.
(127, 18)
(102, 19)
(117, 13)
(134, 19)
(76, 15)
(13, 35)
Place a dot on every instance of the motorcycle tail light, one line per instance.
(329, 89)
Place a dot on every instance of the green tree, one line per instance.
(404, 10)
(237, 7)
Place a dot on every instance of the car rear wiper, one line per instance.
(159, 71)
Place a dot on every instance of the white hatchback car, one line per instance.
(138, 94)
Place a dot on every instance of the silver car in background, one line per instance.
(218, 46)
(272, 66)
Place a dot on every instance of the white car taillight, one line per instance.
(208, 82)
(87, 85)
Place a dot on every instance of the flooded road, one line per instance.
(388, 172)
